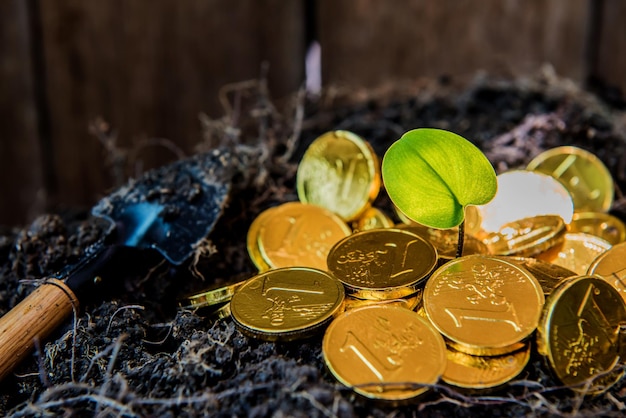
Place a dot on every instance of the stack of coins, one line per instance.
(543, 260)
(382, 264)
(294, 234)
(337, 181)
(591, 187)
(287, 303)
(486, 308)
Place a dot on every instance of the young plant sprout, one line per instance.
(431, 175)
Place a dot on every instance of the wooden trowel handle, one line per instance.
(34, 318)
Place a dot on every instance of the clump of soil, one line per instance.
(137, 354)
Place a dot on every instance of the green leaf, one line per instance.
(432, 174)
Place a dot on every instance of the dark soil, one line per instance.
(137, 354)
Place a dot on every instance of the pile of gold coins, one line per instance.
(400, 313)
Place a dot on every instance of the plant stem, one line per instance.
(459, 248)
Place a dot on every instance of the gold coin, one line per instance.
(547, 274)
(524, 194)
(483, 305)
(384, 352)
(602, 225)
(298, 234)
(446, 240)
(382, 263)
(214, 312)
(286, 304)
(482, 372)
(409, 302)
(582, 173)
(576, 252)
(252, 241)
(579, 333)
(472, 220)
(373, 218)
(215, 295)
(420, 310)
(526, 237)
(340, 172)
(221, 312)
(611, 265)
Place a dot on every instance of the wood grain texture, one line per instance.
(20, 158)
(33, 319)
(366, 42)
(611, 49)
(149, 68)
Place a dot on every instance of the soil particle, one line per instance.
(135, 354)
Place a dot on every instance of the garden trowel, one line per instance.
(170, 210)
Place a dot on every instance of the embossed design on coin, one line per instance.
(483, 305)
(582, 173)
(298, 234)
(579, 332)
(286, 303)
(340, 172)
(382, 263)
(481, 372)
(384, 352)
(611, 266)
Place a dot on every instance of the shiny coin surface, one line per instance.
(579, 333)
(576, 252)
(611, 265)
(524, 194)
(298, 234)
(446, 241)
(483, 305)
(384, 352)
(482, 372)
(382, 263)
(602, 225)
(340, 172)
(213, 296)
(472, 220)
(408, 302)
(372, 218)
(547, 274)
(286, 304)
(221, 312)
(582, 173)
(252, 240)
(526, 237)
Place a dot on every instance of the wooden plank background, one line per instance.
(611, 45)
(377, 41)
(149, 68)
(21, 179)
